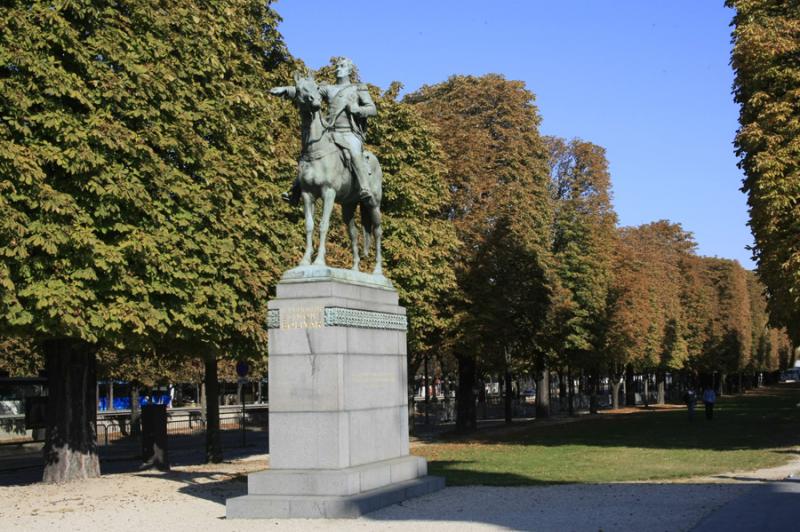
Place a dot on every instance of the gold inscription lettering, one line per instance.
(302, 318)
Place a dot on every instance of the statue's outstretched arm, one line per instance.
(286, 92)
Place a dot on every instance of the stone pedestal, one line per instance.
(338, 411)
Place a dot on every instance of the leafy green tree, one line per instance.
(728, 348)
(696, 297)
(759, 325)
(420, 242)
(138, 155)
(510, 281)
(669, 246)
(645, 329)
(766, 46)
(629, 313)
(781, 354)
(496, 173)
(583, 246)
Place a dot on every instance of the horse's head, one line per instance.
(307, 91)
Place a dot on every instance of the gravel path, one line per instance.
(191, 498)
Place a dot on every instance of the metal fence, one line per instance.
(113, 427)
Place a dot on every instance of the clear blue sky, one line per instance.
(648, 80)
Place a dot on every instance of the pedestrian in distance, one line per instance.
(709, 398)
(690, 398)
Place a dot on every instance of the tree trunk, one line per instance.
(203, 401)
(110, 395)
(562, 388)
(466, 413)
(427, 393)
(594, 385)
(646, 390)
(411, 391)
(213, 445)
(507, 399)
(570, 392)
(542, 391)
(661, 378)
(616, 382)
(412, 424)
(136, 410)
(630, 390)
(70, 450)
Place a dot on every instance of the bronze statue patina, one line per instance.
(333, 164)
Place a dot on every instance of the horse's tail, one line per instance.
(367, 227)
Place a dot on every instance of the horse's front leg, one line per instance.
(328, 198)
(348, 213)
(308, 209)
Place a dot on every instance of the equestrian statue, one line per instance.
(333, 163)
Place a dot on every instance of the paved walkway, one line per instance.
(192, 498)
(767, 507)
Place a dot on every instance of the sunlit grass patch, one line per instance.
(748, 432)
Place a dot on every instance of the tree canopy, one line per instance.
(139, 151)
(766, 39)
(584, 234)
(496, 174)
(139, 155)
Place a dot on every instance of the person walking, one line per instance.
(690, 398)
(709, 398)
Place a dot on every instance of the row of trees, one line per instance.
(547, 282)
(141, 164)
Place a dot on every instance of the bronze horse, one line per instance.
(324, 173)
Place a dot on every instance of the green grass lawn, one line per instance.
(748, 432)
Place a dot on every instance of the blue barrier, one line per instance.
(124, 403)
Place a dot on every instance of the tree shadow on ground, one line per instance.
(624, 506)
(459, 473)
(124, 456)
(215, 486)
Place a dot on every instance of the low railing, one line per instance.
(111, 427)
(184, 423)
